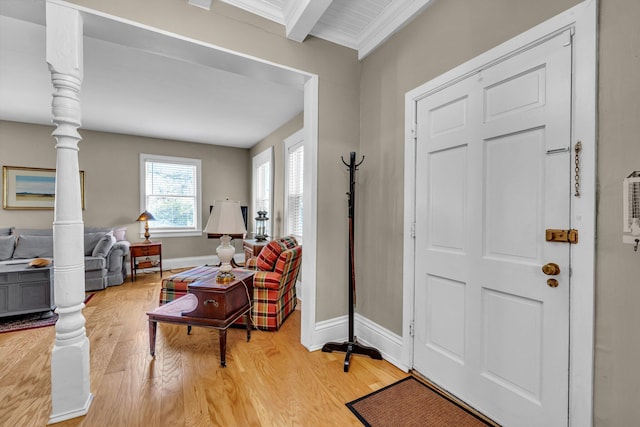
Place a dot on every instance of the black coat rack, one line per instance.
(352, 346)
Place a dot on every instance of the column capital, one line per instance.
(64, 40)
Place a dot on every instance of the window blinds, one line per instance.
(295, 211)
(171, 190)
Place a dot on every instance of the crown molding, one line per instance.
(260, 8)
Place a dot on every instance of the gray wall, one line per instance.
(617, 380)
(112, 192)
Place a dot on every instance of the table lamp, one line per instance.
(146, 217)
(225, 220)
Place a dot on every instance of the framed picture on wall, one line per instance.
(31, 188)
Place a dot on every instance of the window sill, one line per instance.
(173, 234)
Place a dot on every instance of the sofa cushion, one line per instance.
(29, 246)
(102, 230)
(269, 255)
(7, 245)
(104, 245)
(90, 242)
(5, 231)
(94, 263)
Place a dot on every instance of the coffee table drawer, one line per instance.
(219, 305)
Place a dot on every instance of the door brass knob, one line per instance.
(552, 282)
(551, 269)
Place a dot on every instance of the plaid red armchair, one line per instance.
(274, 283)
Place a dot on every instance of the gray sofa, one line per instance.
(105, 251)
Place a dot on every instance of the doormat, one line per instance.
(410, 402)
(32, 320)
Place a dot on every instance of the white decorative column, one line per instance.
(70, 393)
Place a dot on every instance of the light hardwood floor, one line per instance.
(270, 381)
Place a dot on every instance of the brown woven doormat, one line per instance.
(410, 402)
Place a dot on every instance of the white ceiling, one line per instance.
(362, 25)
(140, 82)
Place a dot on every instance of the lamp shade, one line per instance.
(146, 216)
(226, 218)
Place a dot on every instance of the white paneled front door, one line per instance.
(493, 172)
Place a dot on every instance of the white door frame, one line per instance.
(583, 19)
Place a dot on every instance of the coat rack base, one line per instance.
(351, 347)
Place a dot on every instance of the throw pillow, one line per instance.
(7, 245)
(33, 247)
(90, 242)
(104, 246)
(269, 255)
(120, 233)
(288, 242)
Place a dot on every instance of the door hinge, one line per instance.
(562, 236)
(411, 329)
(413, 230)
(414, 133)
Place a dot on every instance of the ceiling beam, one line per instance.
(205, 4)
(302, 16)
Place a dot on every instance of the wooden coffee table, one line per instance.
(208, 304)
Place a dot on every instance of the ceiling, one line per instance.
(362, 25)
(145, 83)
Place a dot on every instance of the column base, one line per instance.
(70, 385)
(58, 418)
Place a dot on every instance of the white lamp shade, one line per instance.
(225, 218)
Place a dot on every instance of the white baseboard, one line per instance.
(389, 344)
(171, 263)
(366, 333)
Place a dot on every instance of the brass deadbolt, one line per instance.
(551, 269)
(552, 282)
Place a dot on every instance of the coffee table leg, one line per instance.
(223, 348)
(247, 321)
(153, 325)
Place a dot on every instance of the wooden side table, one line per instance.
(252, 248)
(139, 250)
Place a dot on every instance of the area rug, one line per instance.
(31, 320)
(410, 402)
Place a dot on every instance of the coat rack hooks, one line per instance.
(355, 165)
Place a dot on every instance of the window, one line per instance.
(262, 188)
(170, 190)
(293, 191)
